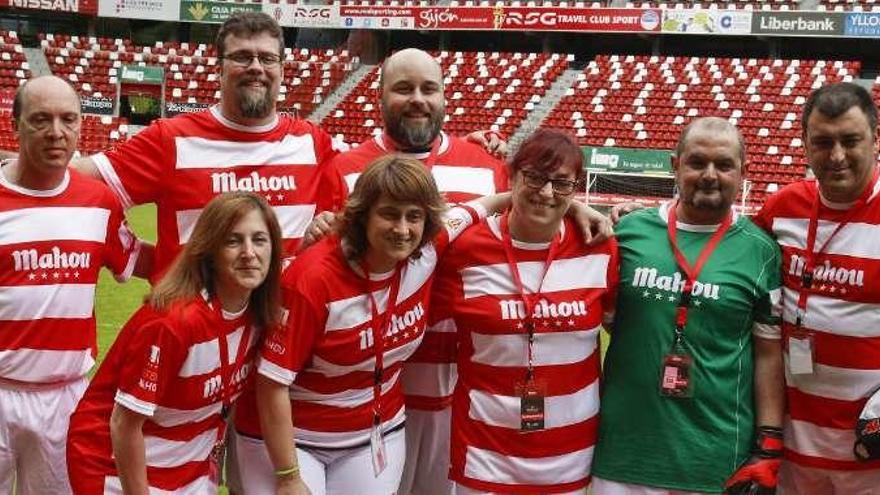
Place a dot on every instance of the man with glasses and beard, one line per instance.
(240, 144)
(413, 108)
(694, 370)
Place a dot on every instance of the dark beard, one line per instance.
(414, 139)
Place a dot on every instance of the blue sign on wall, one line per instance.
(862, 24)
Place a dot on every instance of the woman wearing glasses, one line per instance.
(526, 297)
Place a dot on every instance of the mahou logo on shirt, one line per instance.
(222, 182)
(54, 259)
(516, 309)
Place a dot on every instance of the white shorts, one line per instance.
(33, 437)
(426, 471)
(606, 487)
(801, 480)
(324, 471)
(463, 490)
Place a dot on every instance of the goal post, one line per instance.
(619, 175)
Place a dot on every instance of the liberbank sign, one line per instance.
(798, 23)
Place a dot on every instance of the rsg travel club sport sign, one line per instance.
(501, 18)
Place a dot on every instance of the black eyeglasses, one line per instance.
(536, 180)
(244, 59)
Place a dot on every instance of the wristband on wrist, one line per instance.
(769, 442)
(288, 472)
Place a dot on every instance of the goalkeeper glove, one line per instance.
(867, 445)
(758, 476)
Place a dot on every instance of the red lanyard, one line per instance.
(810, 253)
(378, 327)
(227, 370)
(429, 162)
(528, 300)
(691, 272)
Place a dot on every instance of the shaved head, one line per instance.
(413, 103)
(410, 57)
(53, 85)
(715, 125)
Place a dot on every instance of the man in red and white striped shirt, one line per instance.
(241, 144)
(57, 229)
(828, 230)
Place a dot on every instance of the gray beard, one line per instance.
(255, 107)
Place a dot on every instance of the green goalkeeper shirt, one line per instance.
(691, 444)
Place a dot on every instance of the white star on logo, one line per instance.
(658, 296)
(697, 302)
(268, 197)
(56, 275)
(646, 294)
(832, 289)
(279, 197)
(520, 325)
(558, 323)
(843, 290)
(32, 276)
(44, 275)
(671, 298)
(571, 323)
(75, 274)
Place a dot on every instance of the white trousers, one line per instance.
(463, 490)
(607, 487)
(33, 437)
(324, 471)
(801, 480)
(426, 471)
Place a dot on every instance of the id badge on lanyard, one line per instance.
(531, 391)
(378, 326)
(676, 377)
(801, 341)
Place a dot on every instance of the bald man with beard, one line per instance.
(413, 108)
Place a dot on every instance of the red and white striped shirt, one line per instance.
(843, 313)
(182, 163)
(326, 353)
(165, 366)
(462, 170)
(52, 246)
(476, 298)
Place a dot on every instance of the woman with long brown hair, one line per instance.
(154, 415)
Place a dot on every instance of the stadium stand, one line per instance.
(483, 91)
(849, 5)
(13, 64)
(191, 70)
(644, 102)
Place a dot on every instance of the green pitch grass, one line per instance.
(116, 302)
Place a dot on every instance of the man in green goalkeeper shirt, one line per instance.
(693, 375)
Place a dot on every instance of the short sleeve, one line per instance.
(153, 359)
(768, 307)
(333, 187)
(136, 169)
(455, 221)
(612, 277)
(289, 346)
(122, 247)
